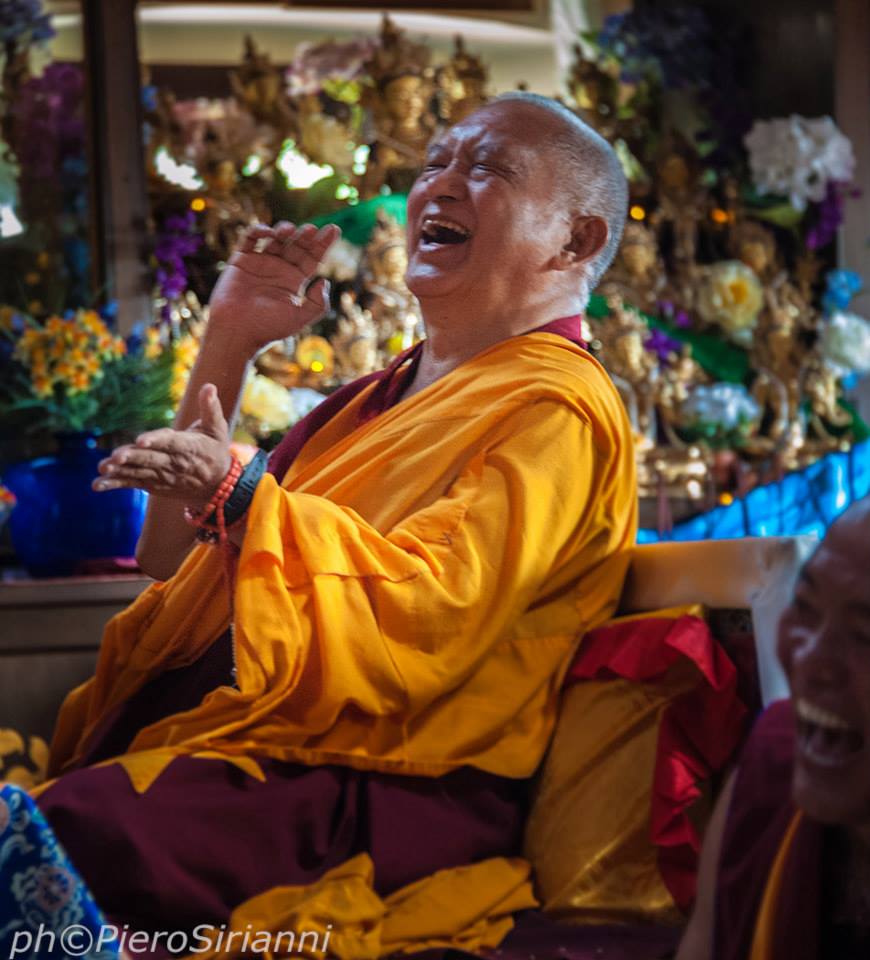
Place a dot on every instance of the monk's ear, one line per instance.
(588, 238)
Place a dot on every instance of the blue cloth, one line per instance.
(46, 911)
(806, 501)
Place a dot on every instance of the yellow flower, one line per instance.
(93, 322)
(153, 348)
(43, 260)
(91, 365)
(32, 278)
(267, 402)
(42, 386)
(79, 381)
(731, 296)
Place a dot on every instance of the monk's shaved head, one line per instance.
(593, 178)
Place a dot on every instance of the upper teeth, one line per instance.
(431, 222)
(813, 714)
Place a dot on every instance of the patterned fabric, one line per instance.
(44, 904)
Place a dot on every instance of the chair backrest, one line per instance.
(755, 573)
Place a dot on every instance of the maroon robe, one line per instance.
(759, 815)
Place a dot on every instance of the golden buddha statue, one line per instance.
(394, 309)
(400, 104)
(595, 91)
(258, 85)
(356, 341)
(461, 85)
(637, 275)
(634, 370)
(753, 244)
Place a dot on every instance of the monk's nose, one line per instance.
(447, 184)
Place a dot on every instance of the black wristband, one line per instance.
(243, 493)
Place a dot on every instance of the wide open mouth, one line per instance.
(825, 738)
(441, 231)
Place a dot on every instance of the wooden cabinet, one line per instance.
(50, 632)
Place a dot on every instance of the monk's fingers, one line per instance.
(146, 478)
(284, 232)
(253, 235)
(134, 458)
(167, 440)
(308, 246)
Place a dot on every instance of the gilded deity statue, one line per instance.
(258, 85)
(682, 204)
(753, 244)
(633, 369)
(400, 102)
(356, 342)
(637, 275)
(595, 92)
(394, 309)
(461, 85)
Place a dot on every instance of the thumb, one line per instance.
(211, 417)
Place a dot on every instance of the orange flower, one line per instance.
(42, 386)
(79, 381)
(35, 306)
(43, 260)
(55, 325)
(119, 348)
(32, 278)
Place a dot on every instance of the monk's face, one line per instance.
(824, 645)
(484, 218)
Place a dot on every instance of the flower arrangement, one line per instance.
(798, 157)
(73, 374)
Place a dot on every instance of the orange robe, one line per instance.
(409, 599)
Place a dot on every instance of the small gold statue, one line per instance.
(638, 273)
(596, 92)
(754, 244)
(633, 369)
(258, 86)
(400, 100)
(461, 85)
(356, 343)
(394, 308)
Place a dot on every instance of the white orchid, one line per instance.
(797, 157)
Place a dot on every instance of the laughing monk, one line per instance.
(785, 870)
(413, 572)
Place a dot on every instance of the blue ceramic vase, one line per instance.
(59, 521)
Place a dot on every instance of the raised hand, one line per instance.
(186, 465)
(265, 292)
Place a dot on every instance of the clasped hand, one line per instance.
(268, 282)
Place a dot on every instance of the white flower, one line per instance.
(797, 157)
(845, 342)
(267, 402)
(725, 404)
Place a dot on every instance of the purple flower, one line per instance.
(662, 345)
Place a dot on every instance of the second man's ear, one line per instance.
(588, 238)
